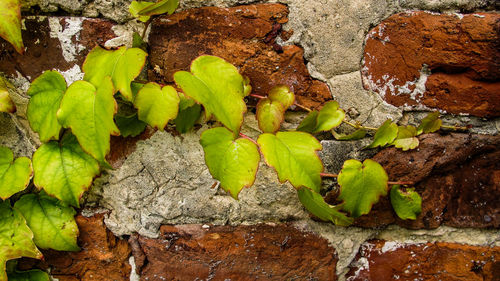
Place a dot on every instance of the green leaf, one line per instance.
(385, 135)
(282, 94)
(430, 123)
(407, 204)
(356, 135)
(293, 155)
(46, 94)
(10, 25)
(14, 175)
(136, 6)
(52, 222)
(361, 185)
(315, 204)
(64, 170)
(406, 138)
(233, 162)
(6, 103)
(130, 126)
(16, 239)
(218, 86)
(123, 65)
(160, 7)
(247, 88)
(189, 113)
(30, 275)
(329, 117)
(270, 115)
(89, 113)
(156, 105)
(138, 42)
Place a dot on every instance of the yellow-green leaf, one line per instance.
(130, 126)
(315, 204)
(30, 275)
(430, 123)
(64, 170)
(356, 135)
(361, 185)
(52, 222)
(46, 94)
(233, 162)
(282, 94)
(406, 203)
(156, 105)
(6, 103)
(14, 175)
(16, 239)
(294, 156)
(270, 115)
(329, 117)
(385, 135)
(89, 111)
(10, 23)
(123, 65)
(218, 86)
(160, 7)
(406, 138)
(136, 6)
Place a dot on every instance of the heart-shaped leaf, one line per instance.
(406, 138)
(46, 93)
(16, 238)
(356, 135)
(329, 117)
(6, 103)
(282, 94)
(430, 123)
(30, 275)
(233, 162)
(64, 170)
(385, 135)
(14, 175)
(406, 203)
(123, 65)
(136, 6)
(10, 25)
(130, 126)
(52, 222)
(270, 115)
(160, 7)
(218, 86)
(361, 185)
(156, 105)
(315, 204)
(293, 155)
(189, 113)
(89, 111)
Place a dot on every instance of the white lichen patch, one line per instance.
(124, 34)
(68, 35)
(73, 74)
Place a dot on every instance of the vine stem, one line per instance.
(455, 127)
(328, 175)
(248, 138)
(146, 25)
(356, 126)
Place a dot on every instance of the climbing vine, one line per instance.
(75, 123)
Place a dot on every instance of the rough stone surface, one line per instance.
(165, 181)
(245, 36)
(364, 106)
(13, 137)
(448, 5)
(103, 256)
(388, 260)
(436, 60)
(457, 176)
(258, 252)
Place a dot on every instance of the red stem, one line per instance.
(257, 96)
(248, 138)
